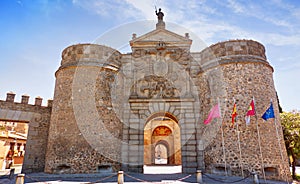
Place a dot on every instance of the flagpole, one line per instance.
(240, 150)
(277, 134)
(223, 143)
(239, 143)
(259, 143)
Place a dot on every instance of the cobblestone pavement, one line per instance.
(42, 178)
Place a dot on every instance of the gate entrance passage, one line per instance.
(162, 145)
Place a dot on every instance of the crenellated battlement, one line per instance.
(10, 97)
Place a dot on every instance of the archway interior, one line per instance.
(162, 145)
(161, 154)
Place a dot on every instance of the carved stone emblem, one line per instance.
(160, 68)
(153, 86)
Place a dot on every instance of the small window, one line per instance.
(63, 168)
(270, 171)
(220, 169)
(104, 169)
(12, 146)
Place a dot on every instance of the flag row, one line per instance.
(215, 112)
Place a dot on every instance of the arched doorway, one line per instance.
(162, 145)
(161, 152)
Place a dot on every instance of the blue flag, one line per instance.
(269, 113)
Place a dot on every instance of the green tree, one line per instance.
(290, 122)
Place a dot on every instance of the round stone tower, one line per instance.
(238, 71)
(84, 131)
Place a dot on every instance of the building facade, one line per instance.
(113, 111)
(13, 138)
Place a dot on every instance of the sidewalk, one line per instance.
(42, 178)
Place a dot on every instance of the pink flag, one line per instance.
(214, 113)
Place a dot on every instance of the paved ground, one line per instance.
(42, 178)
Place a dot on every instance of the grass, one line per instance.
(298, 177)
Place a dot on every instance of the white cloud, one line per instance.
(145, 6)
(278, 39)
(117, 9)
(237, 7)
(260, 11)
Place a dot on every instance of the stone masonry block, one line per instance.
(10, 114)
(134, 125)
(192, 164)
(133, 142)
(189, 170)
(17, 115)
(133, 131)
(133, 137)
(3, 113)
(133, 159)
(161, 106)
(171, 110)
(191, 159)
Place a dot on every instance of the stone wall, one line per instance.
(38, 118)
(84, 133)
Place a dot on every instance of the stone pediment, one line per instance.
(151, 40)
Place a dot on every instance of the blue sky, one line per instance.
(34, 33)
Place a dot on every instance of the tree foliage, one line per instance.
(290, 122)
(291, 129)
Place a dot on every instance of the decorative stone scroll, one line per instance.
(180, 55)
(114, 60)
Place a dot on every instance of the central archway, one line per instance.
(162, 143)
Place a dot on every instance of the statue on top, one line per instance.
(159, 14)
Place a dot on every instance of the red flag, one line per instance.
(233, 114)
(214, 113)
(250, 112)
(251, 109)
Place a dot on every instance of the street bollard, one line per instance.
(120, 177)
(255, 179)
(199, 176)
(20, 179)
(12, 173)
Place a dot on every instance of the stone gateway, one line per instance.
(113, 111)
